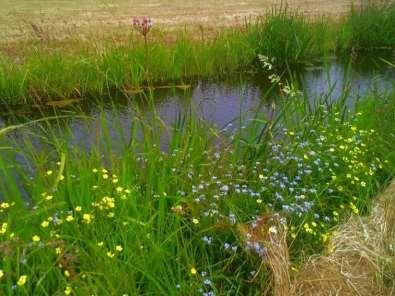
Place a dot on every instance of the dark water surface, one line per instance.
(219, 103)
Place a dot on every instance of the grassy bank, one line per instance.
(192, 220)
(58, 70)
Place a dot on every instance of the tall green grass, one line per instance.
(369, 27)
(141, 220)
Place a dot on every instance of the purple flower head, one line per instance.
(143, 25)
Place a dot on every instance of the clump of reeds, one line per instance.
(369, 26)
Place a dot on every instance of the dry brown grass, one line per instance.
(271, 234)
(360, 259)
(64, 18)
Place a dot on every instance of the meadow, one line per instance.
(218, 212)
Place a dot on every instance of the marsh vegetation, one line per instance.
(122, 174)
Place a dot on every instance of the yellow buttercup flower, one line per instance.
(69, 218)
(87, 218)
(4, 205)
(36, 238)
(193, 271)
(68, 290)
(22, 280)
(119, 248)
(3, 228)
(45, 224)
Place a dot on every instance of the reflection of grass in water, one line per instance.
(144, 221)
(79, 68)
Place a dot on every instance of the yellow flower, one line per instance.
(67, 273)
(119, 248)
(68, 290)
(324, 237)
(5, 205)
(100, 244)
(3, 228)
(49, 197)
(45, 224)
(259, 200)
(1, 273)
(354, 208)
(193, 271)
(195, 221)
(78, 209)
(49, 173)
(36, 238)
(22, 280)
(119, 189)
(61, 178)
(105, 176)
(110, 254)
(87, 218)
(58, 250)
(69, 218)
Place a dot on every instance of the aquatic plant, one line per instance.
(143, 26)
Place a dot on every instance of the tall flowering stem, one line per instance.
(143, 26)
